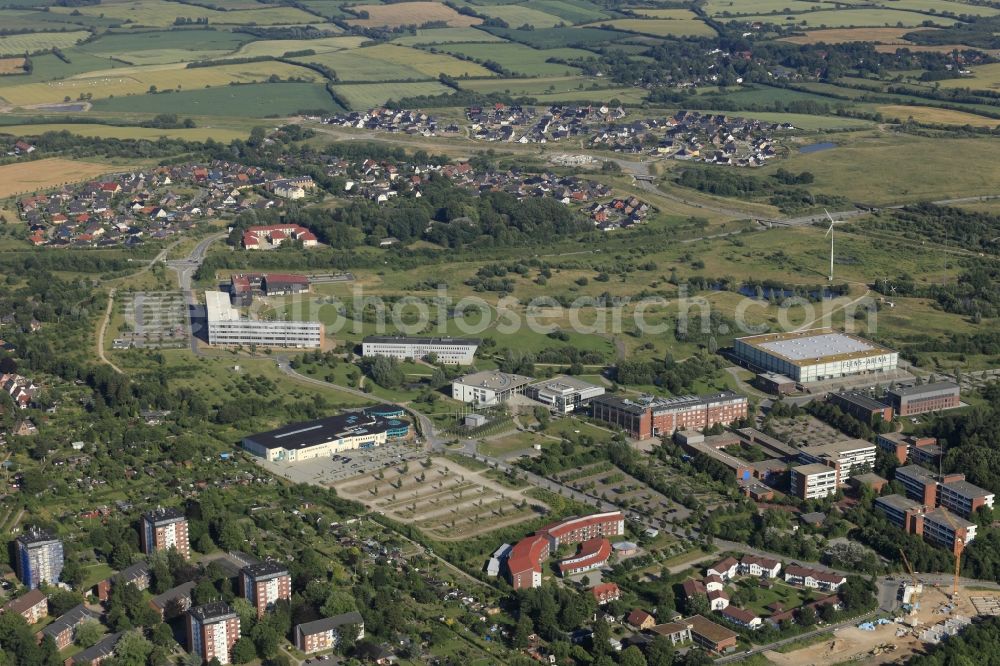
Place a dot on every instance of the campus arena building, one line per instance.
(227, 327)
(324, 437)
(814, 355)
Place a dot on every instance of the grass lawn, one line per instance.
(788, 596)
(511, 443)
(95, 573)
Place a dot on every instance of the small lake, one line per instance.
(817, 147)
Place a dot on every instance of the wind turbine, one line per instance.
(829, 232)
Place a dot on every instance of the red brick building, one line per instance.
(33, 606)
(524, 562)
(264, 584)
(924, 398)
(657, 417)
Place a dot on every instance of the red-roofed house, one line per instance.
(741, 617)
(718, 600)
(763, 567)
(605, 593)
(726, 569)
(524, 563)
(591, 554)
(822, 580)
(640, 620)
(33, 606)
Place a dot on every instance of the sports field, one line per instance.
(39, 41)
(683, 27)
(409, 13)
(42, 174)
(363, 96)
(139, 80)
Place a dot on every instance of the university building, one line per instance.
(326, 436)
(923, 398)
(651, 416)
(227, 327)
(814, 355)
(453, 351)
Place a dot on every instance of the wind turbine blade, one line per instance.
(828, 216)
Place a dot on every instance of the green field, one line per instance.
(518, 58)
(571, 11)
(363, 96)
(39, 41)
(389, 62)
(848, 18)
(165, 46)
(279, 47)
(155, 13)
(252, 100)
(550, 38)
(445, 36)
(518, 15)
(984, 77)
(111, 132)
(663, 27)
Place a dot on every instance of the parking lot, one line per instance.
(325, 471)
(153, 320)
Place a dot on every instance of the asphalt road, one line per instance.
(185, 272)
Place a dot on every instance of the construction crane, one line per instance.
(913, 581)
(957, 550)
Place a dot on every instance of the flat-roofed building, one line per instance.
(710, 635)
(923, 398)
(283, 284)
(165, 528)
(814, 481)
(943, 528)
(213, 629)
(264, 584)
(563, 394)
(227, 327)
(452, 351)
(849, 456)
(814, 355)
(902, 512)
(489, 387)
(651, 416)
(964, 498)
(675, 632)
(901, 446)
(322, 437)
(326, 633)
(919, 483)
(39, 558)
(861, 406)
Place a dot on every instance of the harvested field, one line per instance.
(849, 18)
(39, 41)
(113, 132)
(154, 13)
(24, 177)
(445, 500)
(140, 80)
(844, 35)
(924, 114)
(410, 13)
(663, 27)
(11, 66)
(984, 77)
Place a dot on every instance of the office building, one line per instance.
(923, 398)
(943, 528)
(163, 529)
(848, 456)
(861, 406)
(489, 387)
(900, 446)
(657, 417)
(961, 497)
(711, 636)
(264, 584)
(814, 355)
(212, 631)
(814, 481)
(324, 437)
(38, 558)
(227, 327)
(902, 512)
(325, 634)
(564, 394)
(920, 484)
(453, 351)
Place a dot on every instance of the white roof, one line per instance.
(217, 307)
(817, 346)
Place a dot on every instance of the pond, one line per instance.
(817, 147)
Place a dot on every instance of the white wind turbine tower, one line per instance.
(829, 232)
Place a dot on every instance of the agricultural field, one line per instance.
(409, 13)
(140, 80)
(550, 38)
(389, 62)
(847, 18)
(224, 134)
(445, 36)
(446, 501)
(156, 47)
(742, 8)
(926, 114)
(39, 41)
(684, 27)
(367, 95)
(846, 35)
(252, 100)
(19, 178)
(279, 47)
(517, 58)
(518, 15)
(572, 11)
(11, 66)
(984, 77)
(159, 14)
